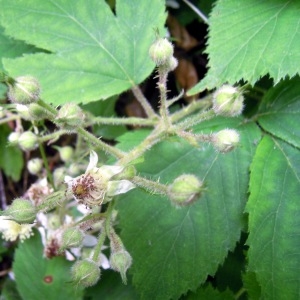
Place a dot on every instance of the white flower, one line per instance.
(92, 187)
(11, 230)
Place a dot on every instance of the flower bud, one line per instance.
(24, 90)
(228, 101)
(172, 64)
(23, 111)
(37, 112)
(13, 137)
(225, 140)
(34, 166)
(21, 211)
(66, 153)
(51, 201)
(121, 261)
(70, 116)
(85, 272)
(58, 176)
(71, 237)
(28, 141)
(161, 51)
(74, 169)
(185, 190)
(54, 221)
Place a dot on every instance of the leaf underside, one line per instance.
(174, 250)
(250, 39)
(94, 54)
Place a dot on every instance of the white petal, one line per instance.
(116, 187)
(93, 161)
(109, 171)
(89, 241)
(104, 262)
(67, 179)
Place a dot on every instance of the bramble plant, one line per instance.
(192, 202)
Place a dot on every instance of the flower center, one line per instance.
(83, 187)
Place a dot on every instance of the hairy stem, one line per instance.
(124, 121)
(152, 139)
(151, 186)
(105, 147)
(143, 101)
(162, 86)
(52, 136)
(192, 107)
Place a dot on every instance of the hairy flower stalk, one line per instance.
(95, 186)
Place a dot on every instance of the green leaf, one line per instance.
(248, 39)
(95, 54)
(11, 158)
(11, 48)
(274, 223)
(279, 112)
(111, 287)
(229, 274)
(9, 291)
(208, 292)
(251, 285)
(41, 278)
(173, 249)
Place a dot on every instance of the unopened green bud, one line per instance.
(225, 140)
(24, 90)
(121, 261)
(172, 63)
(59, 175)
(13, 138)
(37, 112)
(51, 201)
(70, 116)
(54, 221)
(28, 141)
(71, 237)
(34, 166)
(21, 211)
(161, 51)
(85, 273)
(185, 190)
(228, 101)
(74, 169)
(66, 153)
